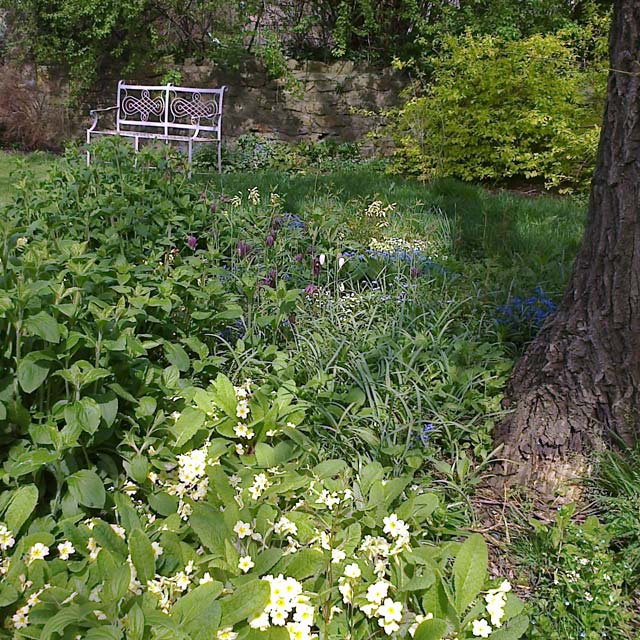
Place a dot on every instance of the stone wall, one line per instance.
(330, 102)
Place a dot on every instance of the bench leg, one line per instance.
(88, 152)
(219, 158)
(136, 147)
(190, 158)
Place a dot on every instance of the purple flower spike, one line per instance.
(243, 249)
(310, 289)
(414, 272)
(214, 206)
(269, 240)
(192, 241)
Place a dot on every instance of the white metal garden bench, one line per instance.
(166, 113)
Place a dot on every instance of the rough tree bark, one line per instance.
(577, 388)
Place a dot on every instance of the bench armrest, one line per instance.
(95, 114)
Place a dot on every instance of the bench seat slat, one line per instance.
(149, 136)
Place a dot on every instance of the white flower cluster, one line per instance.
(6, 538)
(496, 600)
(330, 498)
(192, 482)
(20, 618)
(377, 550)
(168, 589)
(284, 527)
(288, 607)
(378, 210)
(260, 484)
(254, 196)
(243, 431)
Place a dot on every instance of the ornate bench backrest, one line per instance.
(169, 110)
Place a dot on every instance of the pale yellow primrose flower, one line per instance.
(246, 563)
(65, 549)
(481, 628)
(6, 538)
(20, 620)
(37, 552)
(242, 529)
(352, 571)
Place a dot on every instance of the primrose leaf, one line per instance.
(87, 488)
(246, 602)
(21, 507)
(142, 555)
(470, 571)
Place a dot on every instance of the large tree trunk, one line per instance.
(577, 387)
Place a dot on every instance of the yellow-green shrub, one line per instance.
(496, 109)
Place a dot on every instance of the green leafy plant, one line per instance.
(579, 582)
(496, 109)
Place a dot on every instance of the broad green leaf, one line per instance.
(266, 559)
(248, 601)
(44, 326)
(87, 488)
(108, 404)
(470, 571)
(134, 623)
(272, 633)
(329, 468)
(418, 508)
(21, 507)
(139, 468)
(61, 620)
(177, 356)
(512, 629)
(107, 538)
(163, 503)
(225, 395)
(142, 555)
(199, 612)
(209, 525)
(265, 455)
(187, 425)
(105, 632)
(373, 472)
(436, 602)
(147, 407)
(29, 462)
(127, 512)
(305, 563)
(83, 415)
(33, 370)
(433, 629)
(8, 594)
(116, 583)
(171, 377)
